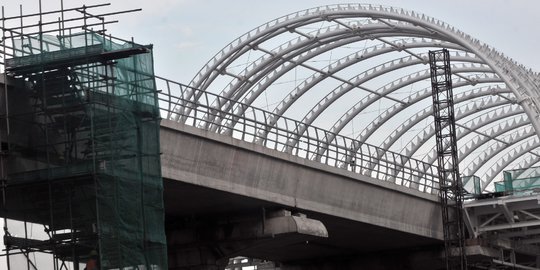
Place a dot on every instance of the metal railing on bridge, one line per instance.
(204, 110)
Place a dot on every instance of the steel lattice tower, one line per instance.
(450, 187)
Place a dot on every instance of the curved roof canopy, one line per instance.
(362, 71)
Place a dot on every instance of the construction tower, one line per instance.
(450, 187)
(81, 174)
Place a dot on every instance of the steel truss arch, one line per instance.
(395, 31)
(414, 145)
(283, 60)
(394, 86)
(426, 112)
(496, 147)
(349, 60)
(485, 136)
(371, 98)
(531, 142)
(461, 113)
(418, 96)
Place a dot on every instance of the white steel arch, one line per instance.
(360, 71)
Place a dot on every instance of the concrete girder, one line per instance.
(237, 167)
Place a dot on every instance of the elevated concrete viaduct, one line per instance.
(219, 192)
(226, 197)
(306, 141)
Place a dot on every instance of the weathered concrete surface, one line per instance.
(209, 179)
(218, 162)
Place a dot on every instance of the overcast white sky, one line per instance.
(187, 33)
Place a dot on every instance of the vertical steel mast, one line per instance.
(450, 187)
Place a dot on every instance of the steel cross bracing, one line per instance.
(450, 187)
(512, 225)
(304, 66)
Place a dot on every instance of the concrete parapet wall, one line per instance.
(223, 163)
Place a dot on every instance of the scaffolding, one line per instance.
(450, 187)
(79, 132)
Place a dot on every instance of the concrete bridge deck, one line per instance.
(217, 177)
(219, 192)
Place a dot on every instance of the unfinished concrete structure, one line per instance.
(240, 180)
(81, 173)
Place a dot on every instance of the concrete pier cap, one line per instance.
(282, 222)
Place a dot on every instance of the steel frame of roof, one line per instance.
(498, 110)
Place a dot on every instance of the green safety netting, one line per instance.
(520, 181)
(472, 184)
(97, 157)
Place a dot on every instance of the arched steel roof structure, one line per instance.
(362, 71)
